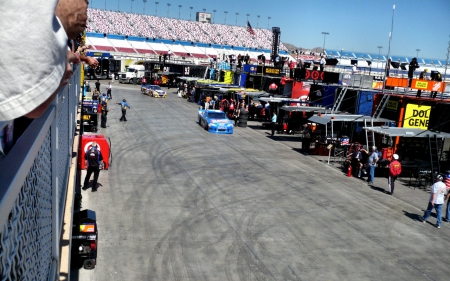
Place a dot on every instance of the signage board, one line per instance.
(417, 116)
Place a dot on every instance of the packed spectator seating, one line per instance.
(141, 25)
(151, 27)
(97, 22)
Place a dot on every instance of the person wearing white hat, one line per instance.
(436, 201)
(395, 169)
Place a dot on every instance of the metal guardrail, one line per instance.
(33, 187)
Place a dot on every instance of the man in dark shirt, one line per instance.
(93, 163)
(97, 85)
(413, 65)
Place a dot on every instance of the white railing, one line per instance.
(34, 177)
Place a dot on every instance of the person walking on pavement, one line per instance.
(373, 159)
(124, 105)
(395, 169)
(436, 201)
(93, 162)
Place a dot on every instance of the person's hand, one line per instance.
(93, 62)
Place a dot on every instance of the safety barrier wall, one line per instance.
(33, 187)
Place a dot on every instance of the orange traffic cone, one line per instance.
(349, 171)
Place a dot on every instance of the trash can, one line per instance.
(104, 146)
(84, 239)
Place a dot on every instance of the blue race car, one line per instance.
(215, 121)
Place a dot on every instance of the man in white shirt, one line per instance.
(322, 63)
(354, 69)
(437, 194)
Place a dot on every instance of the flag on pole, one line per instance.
(250, 29)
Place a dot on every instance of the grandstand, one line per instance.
(122, 33)
(374, 60)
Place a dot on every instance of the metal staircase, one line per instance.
(339, 100)
(434, 146)
(381, 106)
(370, 136)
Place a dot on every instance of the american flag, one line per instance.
(250, 29)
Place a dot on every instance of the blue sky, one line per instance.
(353, 25)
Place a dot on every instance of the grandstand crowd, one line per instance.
(131, 24)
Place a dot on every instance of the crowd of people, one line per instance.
(132, 24)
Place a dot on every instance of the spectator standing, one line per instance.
(95, 95)
(413, 65)
(388, 67)
(108, 90)
(306, 139)
(273, 88)
(395, 169)
(422, 76)
(373, 159)
(93, 163)
(88, 87)
(354, 69)
(97, 85)
(243, 116)
(436, 201)
(322, 63)
(438, 78)
(124, 106)
(274, 122)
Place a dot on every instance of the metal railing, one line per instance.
(34, 177)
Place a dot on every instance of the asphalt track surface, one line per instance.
(180, 203)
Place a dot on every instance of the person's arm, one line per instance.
(92, 62)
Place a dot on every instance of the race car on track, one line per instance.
(215, 121)
(154, 91)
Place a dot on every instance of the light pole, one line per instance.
(168, 6)
(132, 5)
(389, 49)
(156, 11)
(225, 12)
(118, 5)
(379, 54)
(268, 21)
(237, 14)
(417, 51)
(214, 16)
(190, 15)
(324, 35)
(145, 2)
(179, 11)
(247, 18)
(445, 70)
(105, 4)
(257, 22)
